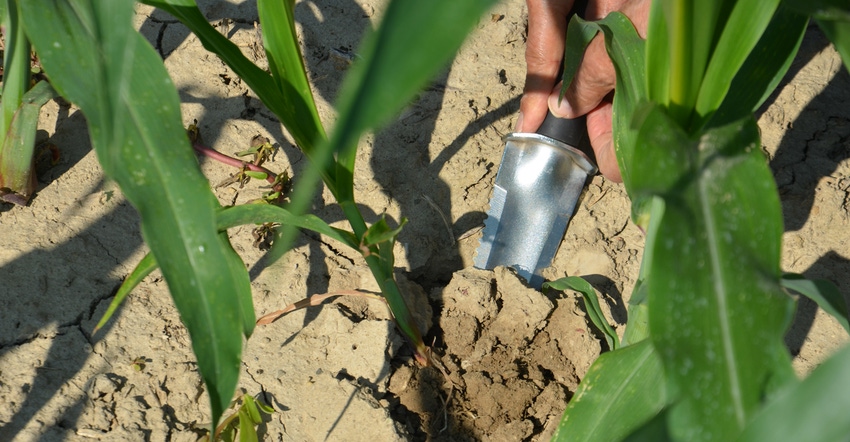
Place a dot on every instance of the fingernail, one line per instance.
(518, 124)
(560, 110)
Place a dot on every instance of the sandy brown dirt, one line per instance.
(340, 371)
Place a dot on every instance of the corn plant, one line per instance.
(95, 60)
(20, 106)
(247, 414)
(703, 356)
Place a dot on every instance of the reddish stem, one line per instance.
(271, 177)
(235, 162)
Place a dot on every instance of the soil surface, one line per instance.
(340, 371)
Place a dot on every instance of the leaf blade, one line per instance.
(591, 303)
(741, 32)
(98, 61)
(764, 68)
(306, 136)
(228, 217)
(812, 410)
(388, 77)
(287, 67)
(626, 49)
(719, 330)
(824, 293)
(142, 269)
(579, 34)
(380, 232)
(627, 391)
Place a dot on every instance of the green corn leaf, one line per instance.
(591, 302)
(257, 213)
(814, 410)
(742, 30)
(142, 269)
(296, 116)
(833, 17)
(278, 20)
(381, 232)
(16, 64)
(626, 49)
(764, 68)
(247, 432)
(249, 404)
(622, 391)
(692, 31)
(637, 326)
(17, 177)
(717, 312)
(579, 34)
(97, 61)
(657, 56)
(242, 280)
(821, 9)
(823, 292)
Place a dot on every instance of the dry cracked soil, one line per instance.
(340, 371)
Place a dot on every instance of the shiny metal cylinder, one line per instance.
(535, 194)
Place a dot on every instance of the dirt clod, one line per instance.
(507, 375)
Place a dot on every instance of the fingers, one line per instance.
(594, 79)
(547, 27)
(601, 139)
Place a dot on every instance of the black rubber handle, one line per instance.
(572, 132)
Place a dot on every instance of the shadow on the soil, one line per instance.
(802, 161)
(797, 166)
(66, 291)
(29, 310)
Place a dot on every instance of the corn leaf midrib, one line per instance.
(721, 295)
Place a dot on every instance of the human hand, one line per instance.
(592, 88)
